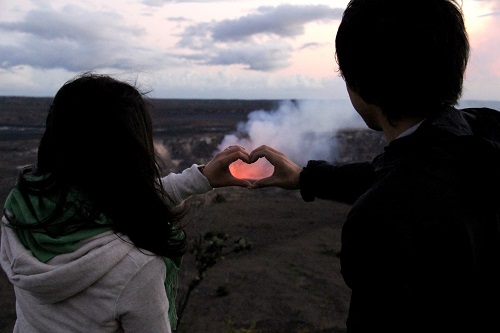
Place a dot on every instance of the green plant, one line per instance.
(229, 328)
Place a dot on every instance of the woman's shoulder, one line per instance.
(141, 258)
(135, 265)
(120, 255)
(132, 259)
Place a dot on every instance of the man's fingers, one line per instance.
(264, 151)
(264, 182)
(238, 155)
(241, 182)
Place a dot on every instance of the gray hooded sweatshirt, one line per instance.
(106, 285)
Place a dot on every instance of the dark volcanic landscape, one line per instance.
(285, 276)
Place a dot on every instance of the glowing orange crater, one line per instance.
(258, 170)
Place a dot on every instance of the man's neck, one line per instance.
(394, 130)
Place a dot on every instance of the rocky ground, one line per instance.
(285, 276)
(288, 281)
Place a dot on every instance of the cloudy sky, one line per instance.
(204, 49)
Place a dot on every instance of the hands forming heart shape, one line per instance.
(263, 167)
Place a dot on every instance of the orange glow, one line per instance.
(258, 170)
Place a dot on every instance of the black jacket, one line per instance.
(420, 246)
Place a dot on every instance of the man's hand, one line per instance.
(286, 172)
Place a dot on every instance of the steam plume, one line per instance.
(303, 130)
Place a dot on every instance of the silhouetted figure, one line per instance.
(90, 238)
(420, 246)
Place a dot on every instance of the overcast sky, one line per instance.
(204, 49)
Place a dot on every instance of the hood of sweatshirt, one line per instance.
(66, 274)
(53, 238)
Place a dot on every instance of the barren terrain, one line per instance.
(286, 278)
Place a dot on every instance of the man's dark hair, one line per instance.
(407, 57)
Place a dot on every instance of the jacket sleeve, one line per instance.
(323, 180)
(180, 186)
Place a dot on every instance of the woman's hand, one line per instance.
(217, 170)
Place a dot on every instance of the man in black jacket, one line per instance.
(420, 246)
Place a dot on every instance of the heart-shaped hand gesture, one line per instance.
(235, 167)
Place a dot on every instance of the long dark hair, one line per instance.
(408, 57)
(99, 139)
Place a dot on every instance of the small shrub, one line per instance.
(208, 250)
(229, 328)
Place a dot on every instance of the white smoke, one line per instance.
(303, 130)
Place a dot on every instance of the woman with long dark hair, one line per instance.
(90, 234)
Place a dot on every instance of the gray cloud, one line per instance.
(73, 39)
(72, 23)
(235, 41)
(311, 46)
(283, 21)
(490, 14)
(158, 3)
(77, 39)
(260, 58)
(197, 37)
(263, 57)
(178, 19)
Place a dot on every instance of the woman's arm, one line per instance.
(199, 179)
(180, 186)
